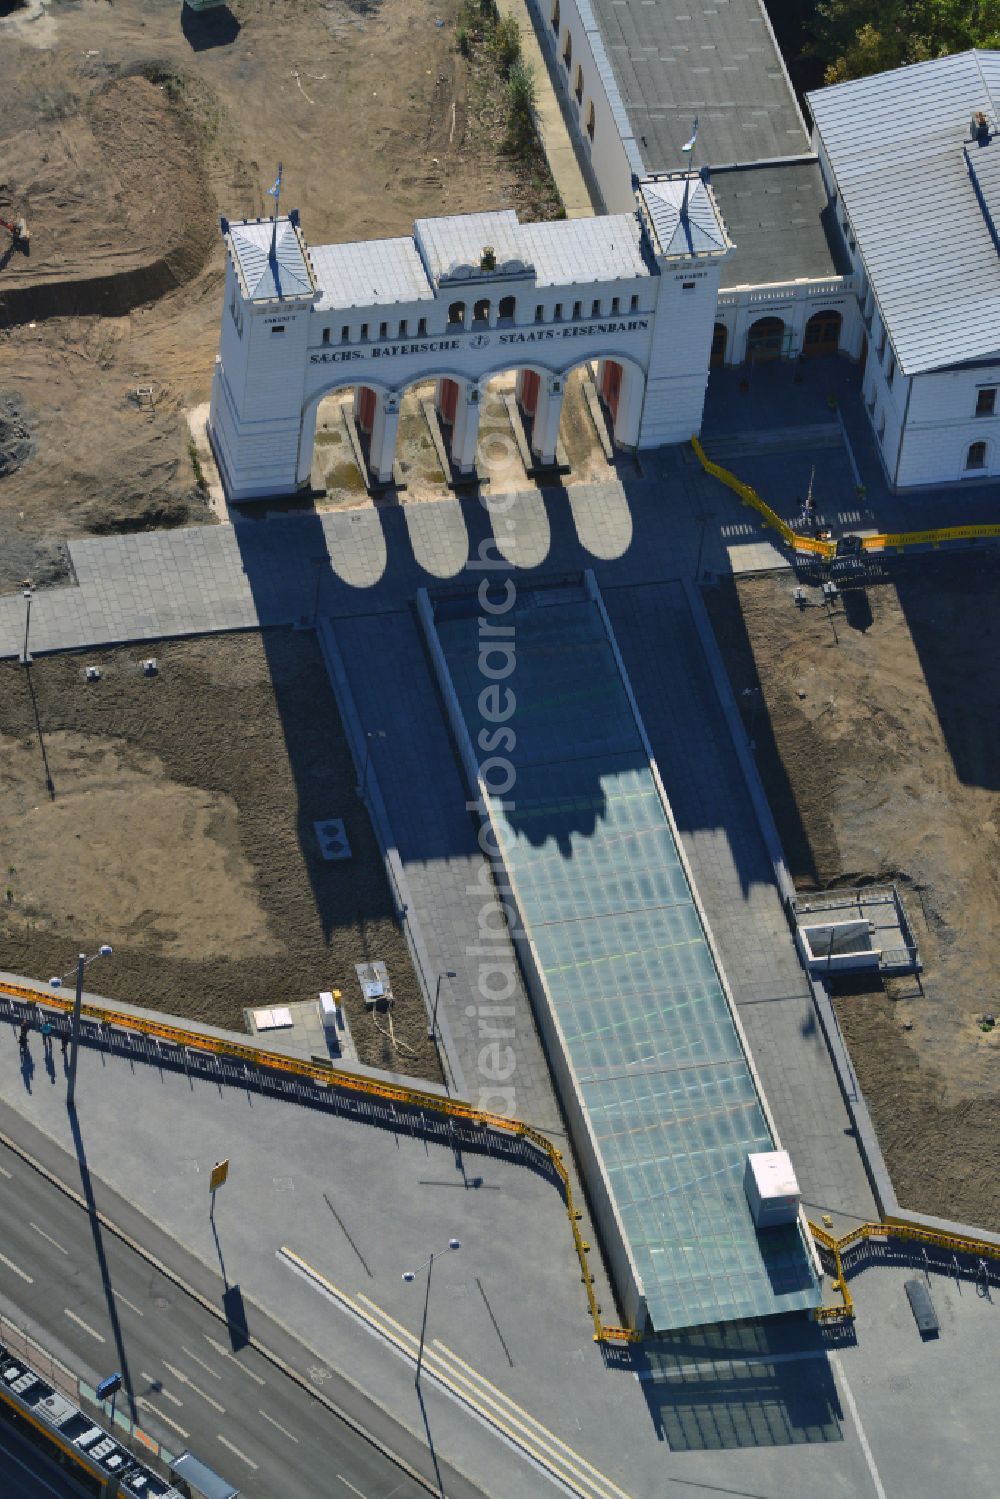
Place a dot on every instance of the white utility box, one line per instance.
(771, 1188)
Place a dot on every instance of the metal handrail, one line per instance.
(338, 1077)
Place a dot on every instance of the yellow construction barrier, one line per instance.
(893, 1228)
(337, 1077)
(886, 542)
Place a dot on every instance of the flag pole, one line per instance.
(275, 193)
(688, 149)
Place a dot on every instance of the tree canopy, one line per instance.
(852, 38)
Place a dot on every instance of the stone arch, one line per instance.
(822, 333)
(766, 339)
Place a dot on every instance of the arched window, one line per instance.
(568, 49)
(456, 315)
(555, 16)
(590, 119)
(481, 311)
(507, 309)
(578, 85)
(976, 456)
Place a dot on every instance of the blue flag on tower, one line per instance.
(689, 145)
(275, 191)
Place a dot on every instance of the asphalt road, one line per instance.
(28, 1475)
(101, 1307)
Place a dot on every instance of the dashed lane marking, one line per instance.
(160, 1388)
(17, 1270)
(349, 1485)
(147, 1405)
(241, 1455)
(130, 1304)
(283, 1429)
(54, 1242)
(195, 1359)
(225, 1353)
(85, 1325)
(179, 1374)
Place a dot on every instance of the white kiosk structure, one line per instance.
(462, 300)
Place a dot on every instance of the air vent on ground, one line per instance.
(332, 838)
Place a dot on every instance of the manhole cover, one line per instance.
(332, 838)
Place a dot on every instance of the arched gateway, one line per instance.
(465, 299)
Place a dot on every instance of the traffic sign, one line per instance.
(220, 1172)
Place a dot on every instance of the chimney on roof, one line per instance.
(980, 128)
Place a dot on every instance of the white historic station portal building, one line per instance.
(465, 299)
(878, 237)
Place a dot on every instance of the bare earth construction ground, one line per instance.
(126, 131)
(880, 758)
(181, 831)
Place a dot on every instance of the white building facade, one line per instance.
(911, 163)
(465, 299)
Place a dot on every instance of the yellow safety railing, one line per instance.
(885, 542)
(892, 1228)
(338, 1077)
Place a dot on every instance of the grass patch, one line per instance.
(345, 476)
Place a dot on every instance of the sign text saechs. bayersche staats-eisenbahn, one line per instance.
(446, 344)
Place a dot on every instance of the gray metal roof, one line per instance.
(895, 144)
(370, 272)
(782, 225)
(268, 277)
(564, 252)
(684, 218)
(670, 60)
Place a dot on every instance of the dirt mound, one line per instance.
(113, 192)
(15, 437)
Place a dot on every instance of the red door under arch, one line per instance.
(529, 392)
(366, 408)
(611, 386)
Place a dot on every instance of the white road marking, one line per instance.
(179, 1374)
(283, 1429)
(146, 1405)
(242, 1455)
(225, 1353)
(130, 1304)
(54, 1242)
(6, 1173)
(349, 1485)
(85, 1325)
(160, 1388)
(198, 1361)
(866, 1450)
(17, 1270)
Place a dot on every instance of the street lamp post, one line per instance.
(25, 655)
(447, 974)
(362, 787)
(104, 951)
(411, 1275)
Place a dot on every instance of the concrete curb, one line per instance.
(387, 843)
(272, 1358)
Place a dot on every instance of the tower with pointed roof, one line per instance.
(688, 240)
(257, 391)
